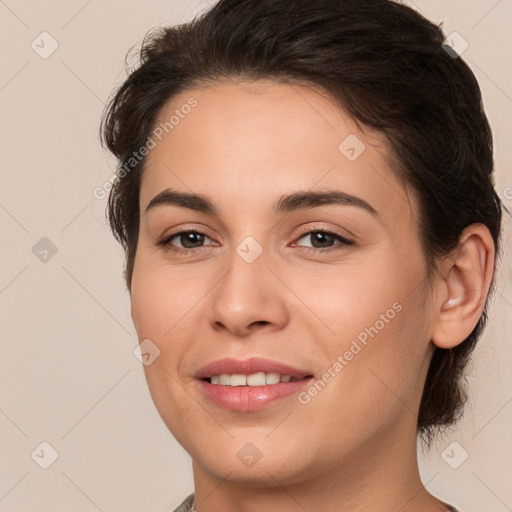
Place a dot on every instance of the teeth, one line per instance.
(238, 380)
(255, 379)
(272, 378)
(224, 379)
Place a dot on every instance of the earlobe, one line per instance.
(465, 283)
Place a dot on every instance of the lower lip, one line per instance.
(251, 398)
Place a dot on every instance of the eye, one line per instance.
(322, 240)
(192, 240)
(188, 240)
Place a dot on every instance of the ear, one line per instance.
(465, 279)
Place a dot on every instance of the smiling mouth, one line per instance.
(254, 379)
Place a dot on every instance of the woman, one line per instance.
(305, 199)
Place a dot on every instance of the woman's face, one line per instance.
(256, 279)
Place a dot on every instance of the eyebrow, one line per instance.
(296, 201)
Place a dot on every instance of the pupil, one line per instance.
(188, 238)
(321, 235)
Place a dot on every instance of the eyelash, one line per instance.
(166, 242)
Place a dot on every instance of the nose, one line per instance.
(248, 298)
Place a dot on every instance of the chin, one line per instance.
(242, 462)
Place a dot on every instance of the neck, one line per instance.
(381, 476)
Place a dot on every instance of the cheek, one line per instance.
(157, 306)
(377, 319)
(374, 372)
(146, 304)
(167, 308)
(154, 297)
(364, 295)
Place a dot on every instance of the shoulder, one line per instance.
(185, 505)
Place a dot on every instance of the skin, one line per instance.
(353, 446)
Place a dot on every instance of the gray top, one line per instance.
(185, 506)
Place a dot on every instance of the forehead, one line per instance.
(247, 144)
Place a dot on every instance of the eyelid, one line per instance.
(195, 228)
(345, 233)
(348, 238)
(165, 241)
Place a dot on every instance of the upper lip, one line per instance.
(248, 367)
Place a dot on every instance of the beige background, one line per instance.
(68, 374)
